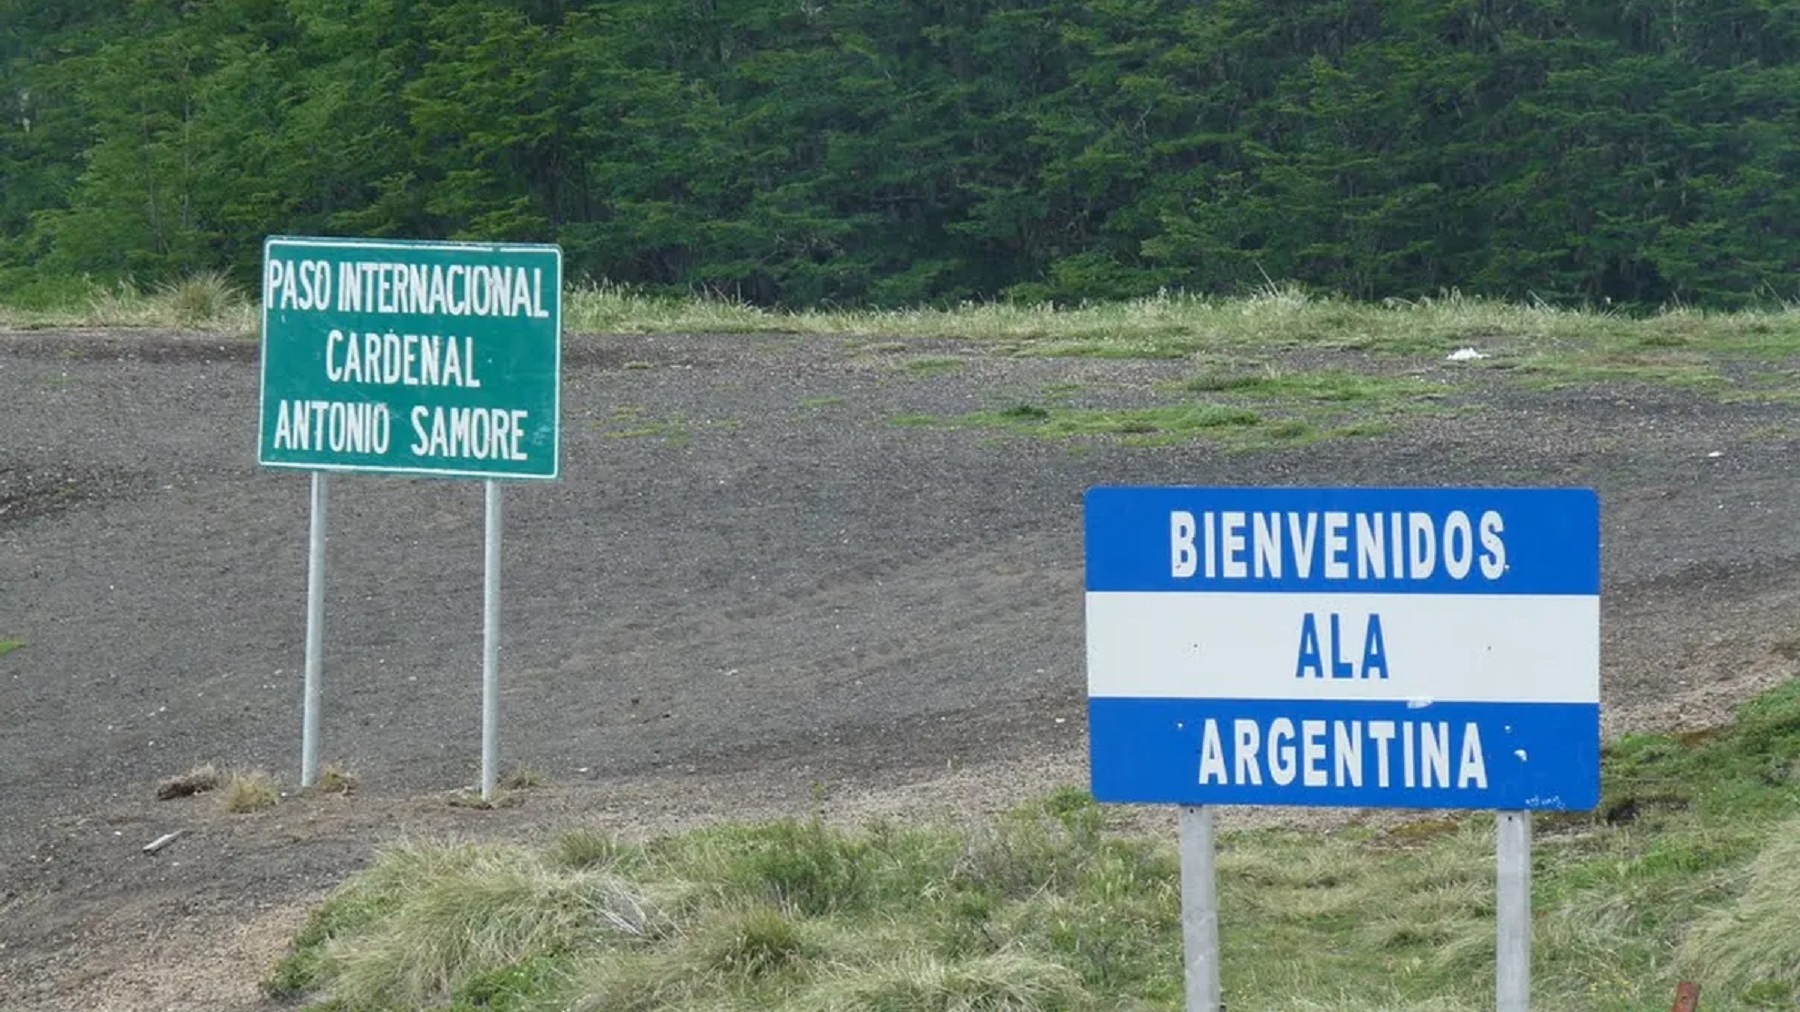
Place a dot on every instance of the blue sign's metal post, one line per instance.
(1199, 909)
(1512, 908)
(315, 630)
(490, 648)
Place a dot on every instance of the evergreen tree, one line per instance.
(904, 151)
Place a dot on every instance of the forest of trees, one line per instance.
(885, 152)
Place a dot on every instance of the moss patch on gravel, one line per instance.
(1264, 407)
(676, 430)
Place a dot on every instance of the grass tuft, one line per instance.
(8, 646)
(580, 849)
(121, 305)
(205, 299)
(333, 778)
(522, 778)
(934, 365)
(753, 945)
(197, 780)
(352, 909)
(1230, 425)
(449, 914)
(470, 797)
(249, 792)
(806, 866)
(1327, 386)
(1750, 947)
(1002, 982)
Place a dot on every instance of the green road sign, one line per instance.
(411, 357)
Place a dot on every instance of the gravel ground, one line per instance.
(751, 589)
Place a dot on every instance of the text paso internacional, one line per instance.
(419, 358)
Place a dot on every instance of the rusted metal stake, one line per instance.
(1687, 997)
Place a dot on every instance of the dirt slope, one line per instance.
(749, 582)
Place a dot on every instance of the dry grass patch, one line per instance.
(197, 780)
(206, 301)
(922, 982)
(249, 792)
(202, 300)
(522, 778)
(333, 778)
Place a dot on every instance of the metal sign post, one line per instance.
(396, 357)
(1199, 909)
(1345, 647)
(315, 628)
(1512, 909)
(490, 647)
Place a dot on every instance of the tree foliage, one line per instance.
(904, 151)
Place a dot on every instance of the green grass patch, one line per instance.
(1257, 408)
(1323, 386)
(677, 430)
(207, 301)
(1751, 948)
(1549, 346)
(1547, 372)
(1237, 411)
(1234, 426)
(8, 646)
(1691, 870)
(933, 365)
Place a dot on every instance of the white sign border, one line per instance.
(423, 244)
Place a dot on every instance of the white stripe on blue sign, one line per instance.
(1430, 648)
(1472, 648)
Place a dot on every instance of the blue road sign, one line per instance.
(1391, 648)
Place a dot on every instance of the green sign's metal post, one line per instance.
(315, 627)
(490, 647)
